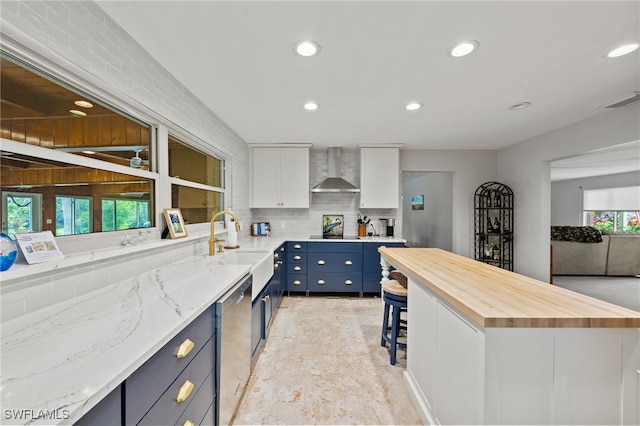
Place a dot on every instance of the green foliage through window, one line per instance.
(614, 221)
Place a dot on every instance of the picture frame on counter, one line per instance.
(175, 223)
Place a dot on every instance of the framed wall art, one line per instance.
(175, 223)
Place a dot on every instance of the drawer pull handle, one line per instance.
(185, 391)
(184, 349)
(297, 257)
(266, 298)
(320, 262)
(297, 282)
(297, 246)
(189, 423)
(296, 268)
(320, 282)
(348, 262)
(348, 282)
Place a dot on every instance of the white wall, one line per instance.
(78, 36)
(525, 168)
(470, 169)
(566, 195)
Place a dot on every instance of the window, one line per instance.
(613, 209)
(124, 214)
(197, 182)
(70, 155)
(74, 215)
(21, 212)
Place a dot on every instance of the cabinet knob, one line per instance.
(185, 391)
(276, 255)
(348, 282)
(184, 349)
(297, 257)
(296, 268)
(320, 262)
(281, 248)
(275, 265)
(189, 423)
(297, 246)
(297, 282)
(320, 282)
(348, 262)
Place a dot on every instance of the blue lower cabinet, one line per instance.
(335, 282)
(107, 412)
(146, 385)
(267, 311)
(197, 410)
(297, 282)
(372, 271)
(256, 326)
(210, 417)
(182, 392)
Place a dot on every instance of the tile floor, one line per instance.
(323, 364)
(621, 291)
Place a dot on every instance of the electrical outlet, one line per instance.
(283, 224)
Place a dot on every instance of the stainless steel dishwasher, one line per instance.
(233, 322)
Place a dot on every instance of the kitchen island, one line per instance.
(489, 346)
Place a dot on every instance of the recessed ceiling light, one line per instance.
(311, 106)
(78, 113)
(84, 104)
(520, 105)
(306, 48)
(464, 48)
(623, 50)
(412, 106)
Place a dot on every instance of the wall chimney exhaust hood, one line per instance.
(334, 183)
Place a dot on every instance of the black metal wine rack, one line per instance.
(493, 225)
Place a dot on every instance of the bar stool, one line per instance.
(394, 295)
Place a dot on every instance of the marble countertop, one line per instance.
(66, 357)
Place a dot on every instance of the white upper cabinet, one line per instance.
(280, 176)
(379, 177)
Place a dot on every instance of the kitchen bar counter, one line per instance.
(494, 297)
(63, 359)
(489, 346)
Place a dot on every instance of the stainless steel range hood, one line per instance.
(334, 183)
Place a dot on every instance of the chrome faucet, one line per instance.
(212, 239)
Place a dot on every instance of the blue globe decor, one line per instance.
(8, 252)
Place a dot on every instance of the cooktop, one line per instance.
(322, 237)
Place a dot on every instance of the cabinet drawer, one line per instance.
(335, 262)
(296, 268)
(197, 410)
(296, 282)
(146, 385)
(335, 247)
(296, 258)
(168, 410)
(332, 282)
(371, 257)
(296, 246)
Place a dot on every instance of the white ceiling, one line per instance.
(237, 57)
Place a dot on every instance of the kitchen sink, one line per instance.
(261, 266)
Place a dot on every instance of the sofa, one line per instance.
(583, 250)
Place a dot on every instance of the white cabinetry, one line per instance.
(280, 176)
(380, 177)
(459, 373)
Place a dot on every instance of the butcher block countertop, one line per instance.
(494, 297)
